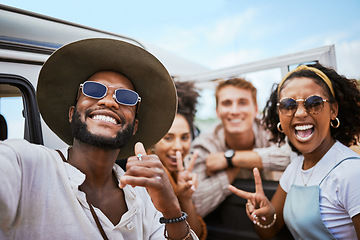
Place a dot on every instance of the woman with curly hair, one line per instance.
(174, 147)
(319, 193)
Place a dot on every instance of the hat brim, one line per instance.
(74, 63)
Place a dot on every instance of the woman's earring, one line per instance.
(279, 127)
(337, 123)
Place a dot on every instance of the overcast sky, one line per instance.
(222, 33)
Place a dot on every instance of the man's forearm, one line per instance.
(247, 159)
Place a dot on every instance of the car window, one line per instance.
(11, 109)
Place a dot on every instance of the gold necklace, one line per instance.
(302, 177)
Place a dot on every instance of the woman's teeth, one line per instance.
(304, 132)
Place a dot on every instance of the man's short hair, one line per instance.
(239, 83)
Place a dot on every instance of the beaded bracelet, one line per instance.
(269, 225)
(183, 217)
(184, 238)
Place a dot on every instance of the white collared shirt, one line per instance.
(39, 199)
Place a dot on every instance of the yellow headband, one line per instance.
(315, 70)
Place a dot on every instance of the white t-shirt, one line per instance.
(340, 190)
(39, 199)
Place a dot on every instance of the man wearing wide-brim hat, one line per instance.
(106, 99)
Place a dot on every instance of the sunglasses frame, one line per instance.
(114, 95)
(297, 105)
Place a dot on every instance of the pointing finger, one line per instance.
(240, 193)
(179, 161)
(258, 183)
(192, 161)
(194, 179)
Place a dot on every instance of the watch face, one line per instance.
(229, 153)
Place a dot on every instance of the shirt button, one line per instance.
(130, 225)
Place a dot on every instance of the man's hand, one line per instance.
(215, 162)
(147, 171)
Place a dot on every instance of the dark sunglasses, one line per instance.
(313, 105)
(98, 90)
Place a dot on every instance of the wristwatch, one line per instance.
(229, 154)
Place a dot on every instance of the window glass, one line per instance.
(11, 108)
(206, 113)
(264, 81)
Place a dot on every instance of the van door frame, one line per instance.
(32, 130)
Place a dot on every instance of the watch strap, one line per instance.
(229, 162)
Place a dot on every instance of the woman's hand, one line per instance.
(186, 180)
(258, 205)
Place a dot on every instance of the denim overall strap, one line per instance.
(349, 158)
(302, 211)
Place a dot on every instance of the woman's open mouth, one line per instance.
(304, 132)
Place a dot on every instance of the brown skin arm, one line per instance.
(278, 202)
(150, 173)
(261, 209)
(189, 207)
(242, 159)
(356, 222)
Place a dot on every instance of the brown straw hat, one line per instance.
(74, 63)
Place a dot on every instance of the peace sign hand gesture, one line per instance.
(186, 180)
(258, 205)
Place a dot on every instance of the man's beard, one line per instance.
(80, 132)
